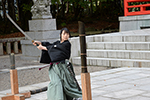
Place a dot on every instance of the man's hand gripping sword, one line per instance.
(20, 29)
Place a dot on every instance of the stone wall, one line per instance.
(138, 22)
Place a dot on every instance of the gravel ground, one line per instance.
(34, 74)
(5, 64)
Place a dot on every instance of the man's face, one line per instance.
(64, 36)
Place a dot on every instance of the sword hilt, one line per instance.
(35, 43)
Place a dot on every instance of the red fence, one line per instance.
(143, 10)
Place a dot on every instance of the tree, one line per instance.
(24, 12)
(4, 10)
(64, 10)
(11, 9)
(91, 13)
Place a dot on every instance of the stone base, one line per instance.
(44, 35)
(42, 25)
(42, 17)
(134, 22)
(41, 30)
(29, 51)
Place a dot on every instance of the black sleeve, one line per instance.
(49, 46)
(45, 56)
(45, 43)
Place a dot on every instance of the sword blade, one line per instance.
(19, 28)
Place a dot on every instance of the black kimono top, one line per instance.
(56, 52)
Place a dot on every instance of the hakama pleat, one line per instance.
(62, 85)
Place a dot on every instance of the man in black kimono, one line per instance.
(62, 85)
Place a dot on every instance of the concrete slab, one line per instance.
(124, 93)
(113, 84)
(146, 94)
(145, 87)
(138, 98)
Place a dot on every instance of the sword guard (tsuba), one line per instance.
(35, 43)
(32, 41)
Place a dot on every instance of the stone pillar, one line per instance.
(16, 47)
(138, 22)
(42, 28)
(8, 47)
(1, 48)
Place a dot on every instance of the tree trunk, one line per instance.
(76, 9)
(96, 4)
(57, 9)
(17, 1)
(122, 5)
(67, 8)
(88, 10)
(1, 18)
(11, 9)
(4, 10)
(119, 5)
(53, 10)
(115, 2)
(63, 6)
(24, 16)
(21, 14)
(91, 12)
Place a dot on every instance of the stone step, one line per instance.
(110, 62)
(126, 36)
(124, 33)
(119, 54)
(119, 45)
(122, 38)
(134, 32)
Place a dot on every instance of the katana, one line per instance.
(19, 28)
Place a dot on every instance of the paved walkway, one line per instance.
(112, 84)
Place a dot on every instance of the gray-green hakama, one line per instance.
(62, 85)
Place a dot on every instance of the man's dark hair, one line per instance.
(66, 31)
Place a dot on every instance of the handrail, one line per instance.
(142, 7)
(145, 5)
(9, 45)
(11, 39)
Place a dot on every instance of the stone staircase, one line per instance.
(122, 49)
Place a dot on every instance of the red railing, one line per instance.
(142, 7)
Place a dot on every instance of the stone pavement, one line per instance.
(29, 73)
(113, 84)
